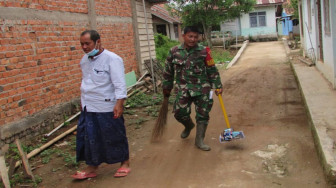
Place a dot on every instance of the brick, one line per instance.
(10, 54)
(3, 101)
(9, 99)
(18, 110)
(16, 98)
(10, 112)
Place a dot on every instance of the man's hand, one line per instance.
(219, 91)
(118, 108)
(166, 92)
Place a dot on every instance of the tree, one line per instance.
(292, 6)
(209, 13)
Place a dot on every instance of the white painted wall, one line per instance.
(269, 29)
(310, 34)
(327, 66)
(328, 55)
(231, 26)
(333, 38)
(171, 32)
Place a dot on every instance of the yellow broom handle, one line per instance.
(224, 111)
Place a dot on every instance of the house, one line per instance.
(260, 22)
(284, 24)
(165, 23)
(318, 35)
(40, 54)
(287, 24)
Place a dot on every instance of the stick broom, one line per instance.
(161, 121)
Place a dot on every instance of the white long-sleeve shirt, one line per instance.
(103, 82)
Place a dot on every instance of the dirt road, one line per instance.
(263, 100)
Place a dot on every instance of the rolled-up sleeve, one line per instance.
(117, 73)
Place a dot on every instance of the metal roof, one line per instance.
(162, 13)
(157, 1)
(269, 2)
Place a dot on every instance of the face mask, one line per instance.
(93, 52)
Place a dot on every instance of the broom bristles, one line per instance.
(161, 121)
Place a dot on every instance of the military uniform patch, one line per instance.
(208, 59)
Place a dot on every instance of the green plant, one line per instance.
(38, 179)
(152, 111)
(251, 39)
(47, 152)
(69, 159)
(221, 56)
(162, 46)
(44, 140)
(45, 160)
(19, 178)
(46, 155)
(129, 111)
(203, 43)
(16, 178)
(55, 169)
(143, 100)
(140, 121)
(14, 151)
(172, 99)
(73, 143)
(65, 120)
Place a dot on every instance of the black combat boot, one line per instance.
(200, 134)
(189, 124)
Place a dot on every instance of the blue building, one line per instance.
(287, 24)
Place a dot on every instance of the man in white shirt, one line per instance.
(101, 134)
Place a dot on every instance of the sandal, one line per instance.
(122, 172)
(83, 175)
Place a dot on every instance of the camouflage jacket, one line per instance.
(195, 70)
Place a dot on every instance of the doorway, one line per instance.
(161, 29)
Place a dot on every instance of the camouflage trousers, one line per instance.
(182, 107)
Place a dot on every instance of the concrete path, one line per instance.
(320, 101)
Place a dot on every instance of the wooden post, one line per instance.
(24, 160)
(3, 171)
(38, 150)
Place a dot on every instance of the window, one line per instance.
(258, 19)
(326, 11)
(309, 15)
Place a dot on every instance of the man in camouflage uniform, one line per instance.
(196, 74)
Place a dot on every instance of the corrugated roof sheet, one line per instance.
(162, 13)
(269, 2)
(157, 1)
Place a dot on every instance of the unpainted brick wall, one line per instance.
(116, 8)
(39, 66)
(79, 6)
(112, 35)
(39, 58)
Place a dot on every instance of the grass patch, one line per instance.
(143, 100)
(221, 56)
